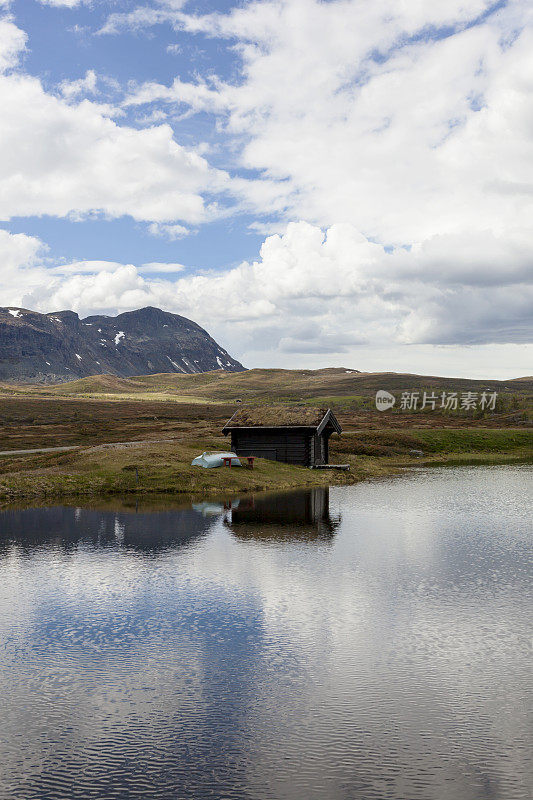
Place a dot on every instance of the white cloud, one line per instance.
(18, 251)
(404, 124)
(364, 114)
(68, 158)
(21, 269)
(121, 288)
(12, 43)
(198, 96)
(72, 159)
(85, 85)
(171, 232)
(312, 292)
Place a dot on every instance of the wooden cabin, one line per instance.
(298, 435)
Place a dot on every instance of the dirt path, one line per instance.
(38, 450)
(78, 446)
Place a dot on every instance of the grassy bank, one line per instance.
(436, 441)
(164, 467)
(149, 467)
(173, 418)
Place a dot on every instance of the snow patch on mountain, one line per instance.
(176, 365)
(39, 346)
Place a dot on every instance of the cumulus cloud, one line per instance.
(389, 145)
(403, 129)
(69, 158)
(387, 119)
(21, 267)
(120, 288)
(72, 159)
(323, 292)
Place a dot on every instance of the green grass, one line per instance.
(468, 440)
(394, 442)
(164, 467)
(161, 467)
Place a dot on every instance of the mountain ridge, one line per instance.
(60, 346)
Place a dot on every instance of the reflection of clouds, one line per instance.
(67, 528)
(390, 662)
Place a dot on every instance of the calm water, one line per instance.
(373, 642)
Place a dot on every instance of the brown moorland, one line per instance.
(174, 417)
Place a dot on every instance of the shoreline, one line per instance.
(164, 470)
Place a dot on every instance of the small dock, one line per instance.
(331, 466)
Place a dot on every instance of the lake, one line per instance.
(366, 642)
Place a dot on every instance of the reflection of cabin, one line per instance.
(295, 516)
(295, 435)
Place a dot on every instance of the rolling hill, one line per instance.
(327, 386)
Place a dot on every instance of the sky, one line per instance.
(342, 183)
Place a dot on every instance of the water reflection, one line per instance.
(66, 527)
(177, 654)
(296, 516)
(293, 517)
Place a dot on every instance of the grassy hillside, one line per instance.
(291, 385)
(30, 422)
(336, 386)
(173, 417)
(434, 441)
(105, 408)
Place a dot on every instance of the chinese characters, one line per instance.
(448, 401)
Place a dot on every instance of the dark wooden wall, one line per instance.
(294, 446)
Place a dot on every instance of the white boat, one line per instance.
(209, 460)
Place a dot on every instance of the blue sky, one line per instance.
(63, 45)
(316, 183)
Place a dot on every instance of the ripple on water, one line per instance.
(368, 642)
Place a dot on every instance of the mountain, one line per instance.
(49, 348)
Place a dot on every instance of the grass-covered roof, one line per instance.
(270, 416)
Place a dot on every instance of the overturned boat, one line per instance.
(209, 460)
